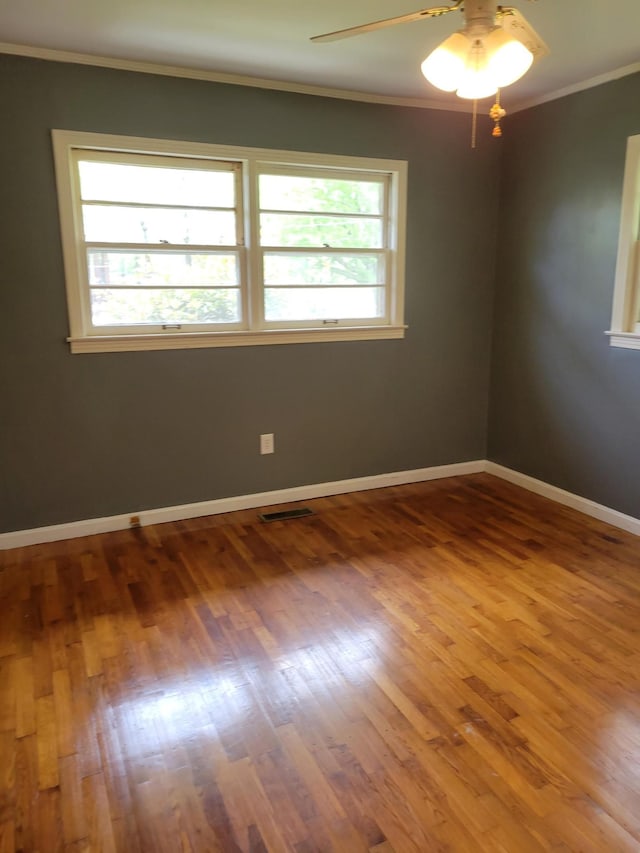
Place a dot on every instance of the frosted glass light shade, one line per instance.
(477, 67)
(477, 80)
(507, 58)
(444, 67)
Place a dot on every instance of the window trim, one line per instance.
(251, 161)
(79, 154)
(625, 328)
(383, 252)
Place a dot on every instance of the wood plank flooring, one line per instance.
(449, 666)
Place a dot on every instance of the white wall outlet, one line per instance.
(266, 443)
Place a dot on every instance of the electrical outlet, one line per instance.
(266, 443)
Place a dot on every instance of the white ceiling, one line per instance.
(270, 39)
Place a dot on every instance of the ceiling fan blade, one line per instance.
(516, 25)
(433, 12)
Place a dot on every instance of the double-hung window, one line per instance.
(625, 321)
(161, 241)
(171, 244)
(324, 255)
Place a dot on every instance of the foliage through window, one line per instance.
(179, 244)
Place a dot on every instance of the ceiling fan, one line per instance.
(495, 47)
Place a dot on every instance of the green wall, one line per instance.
(89, 435)
(565, 406)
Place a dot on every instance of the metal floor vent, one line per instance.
(285, 514)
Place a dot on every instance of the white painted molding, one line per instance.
(91, 526)
(626, 290)
(223, 77)
(595, 510)
(591, 83)
(625, 340)
(455, 105)
(199, 340)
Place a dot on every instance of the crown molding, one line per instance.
(223, 77)
(590, 83)
(141, 67)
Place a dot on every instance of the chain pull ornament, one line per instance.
(497, 113)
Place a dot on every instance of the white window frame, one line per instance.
(84, 337)
(625, 318)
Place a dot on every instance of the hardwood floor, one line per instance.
(450, 666)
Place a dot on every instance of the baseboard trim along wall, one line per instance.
(595, 510)
(91, 526)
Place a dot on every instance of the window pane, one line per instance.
(155, 268)
(356, 303)
(156, 184)
(326, 269)
(123, 307)
(290, 192)
(294, 229)
(157, 225)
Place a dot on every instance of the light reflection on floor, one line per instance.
(225, 700)
(621, 732)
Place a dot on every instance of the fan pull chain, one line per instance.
(474, 123)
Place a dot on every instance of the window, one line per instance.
(625, 321)
(171, 244)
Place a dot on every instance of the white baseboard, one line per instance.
(91, 526)
(595, 510)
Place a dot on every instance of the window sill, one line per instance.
(200, 340)
(626, 340)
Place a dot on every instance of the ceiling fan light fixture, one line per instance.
(444, 68)
(507, 58)
(477, 61)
